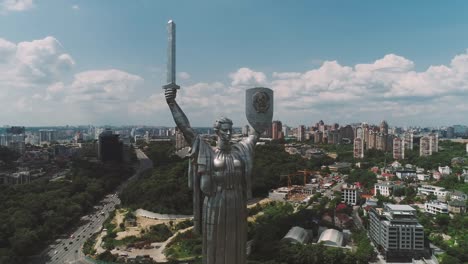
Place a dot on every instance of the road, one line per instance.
(68, 250)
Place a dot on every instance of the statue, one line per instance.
(222, 178)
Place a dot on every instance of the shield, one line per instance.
(259, 108)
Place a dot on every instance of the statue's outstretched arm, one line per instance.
(179, 116)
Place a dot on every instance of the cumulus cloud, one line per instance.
(32, 62)
(246, 76)
(75, 7)
(37, 79)
(387, 88)
(16, 5)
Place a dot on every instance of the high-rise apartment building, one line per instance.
(408, 140)
(276, 129)
(434, 137)
(110, 148)
(47, 136)
(318, 137)
(285, 131)
(301, 133)
(358, 149)
(429, 144)
(395, 228)
(425, 146)
(180, 140)
(398, 148)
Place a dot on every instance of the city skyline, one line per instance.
(96, 63)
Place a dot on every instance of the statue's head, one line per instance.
(223, 128)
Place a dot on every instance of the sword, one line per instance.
(171, 57)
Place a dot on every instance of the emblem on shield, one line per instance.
(259, 108)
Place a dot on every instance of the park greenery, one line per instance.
(7, 158)
(34, 214)
(456, 244)
(165, 188)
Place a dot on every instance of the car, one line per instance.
(71, 242)
(55, 252)
(76, 250)
(66, 249)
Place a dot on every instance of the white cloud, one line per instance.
(31, 63)
(184, 75)
(16, 5)
(75, 7)
(105, 86)
(388, 88)
(38, 84)
(245, 76)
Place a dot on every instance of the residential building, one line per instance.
(358, 150)
(318, 137)
(110, 148)
(408, 136)
(423, 177)
(425, 146)
(405, 174)
(434, 137)
(301, 133)
(457, 195)
(440, 192)
(398, 148)
(435, 207)
(457, 207)
(395, 228)
(349, 194)
(180, 141)
(276, 128)
(384, 188)
(46, 136)
(444, 170)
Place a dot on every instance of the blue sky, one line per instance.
(103, 62)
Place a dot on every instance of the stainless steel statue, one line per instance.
(221, 176)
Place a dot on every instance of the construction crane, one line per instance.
(304, 172)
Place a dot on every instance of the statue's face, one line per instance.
(225, 132)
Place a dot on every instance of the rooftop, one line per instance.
(400, 207)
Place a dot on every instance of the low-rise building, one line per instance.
(457, 207)
(349, 194)
(279, 194)
(423, 177)
(405, 174)
(331, 237)
(384, 188)
(436, 207)
(457, 195)
(297, 235)
(445, 170)
(440, 192)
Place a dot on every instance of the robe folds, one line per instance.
(221, 182)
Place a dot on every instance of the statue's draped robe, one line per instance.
(223, 178)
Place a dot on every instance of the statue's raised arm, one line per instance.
(179, 116)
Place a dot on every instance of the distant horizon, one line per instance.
(211, 126)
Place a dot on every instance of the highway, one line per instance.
(69, 249)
